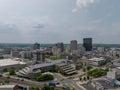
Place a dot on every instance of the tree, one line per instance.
(63, 73)
(68, 88)
(73, 89)
(45, 77)
(97, 73)
(88, 68)
(107, 69)
(55, 69)
(46, 87)
(11, 71)
(84, 78)
(34, 88)
(84, 69)
(80, 78)
(5, 70)
(7, 81)
(76, 67)
(88, 77)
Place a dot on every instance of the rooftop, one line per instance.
(7, 62)
(117, 67)
(97, 59)
(47, 64)
(7, 86)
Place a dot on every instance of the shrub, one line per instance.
(11, 71)
(46, 87)
(97, 72)
(45, 77)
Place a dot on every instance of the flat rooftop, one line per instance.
(7, 86)
(118, 68)
(7, 62)
(47, 64)
(97, 59)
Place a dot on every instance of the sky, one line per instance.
(51, 21)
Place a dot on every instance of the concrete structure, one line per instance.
(36, 46)
(26, 54)
(116, 63)
(56, 51)
(14, 53)
(8, 63)
(13, 87)
(87, 43)
(29, 72)
(67, 50)
(73, 45)
(97, 61)
(60, 45)
(34, 70)
(101, 49)
(66, 68)
(114, 73)
(39, 56)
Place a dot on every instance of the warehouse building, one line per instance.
(8, 63)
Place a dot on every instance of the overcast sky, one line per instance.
(50, 21)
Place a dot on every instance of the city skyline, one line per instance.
(54, 21)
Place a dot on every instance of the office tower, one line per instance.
(39, 56)
(73, 45)
(60, 46)
(87, 43)
(36, 46)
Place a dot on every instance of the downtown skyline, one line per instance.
(29, 21)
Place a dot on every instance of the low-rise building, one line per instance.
(114, 73)
(97, 61)
(116, 63)
(34, 70)
(66, 68)
(13, 87)
(8, 63)
(26, 54)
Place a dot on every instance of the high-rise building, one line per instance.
(73, 45)
(39, 56)
(87, 43)
(60, 45)
(36, 46)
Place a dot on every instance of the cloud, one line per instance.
(83, 3)
(7, 28)
(39, 26)
(74, 10)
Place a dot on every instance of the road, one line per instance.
(22, 81)
(68, 82)
(58, 78)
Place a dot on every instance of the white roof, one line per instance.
(47, 64)
(118, 67)
(97, 59)
(7, 62)
(7, 86)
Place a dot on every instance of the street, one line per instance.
(23, 81)
(68, 82)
